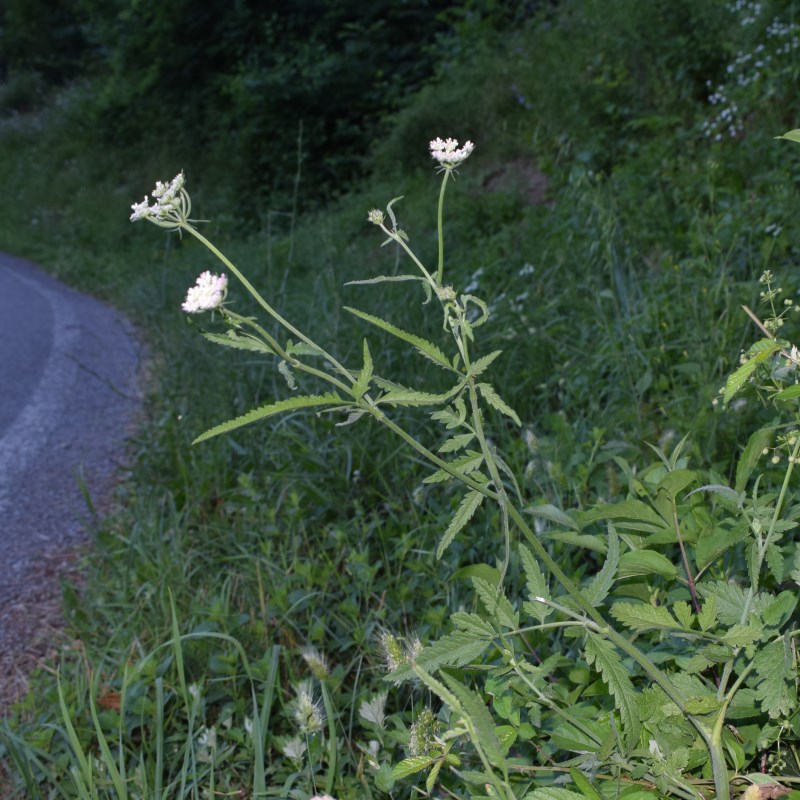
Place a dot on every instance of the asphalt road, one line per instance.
(69, 367)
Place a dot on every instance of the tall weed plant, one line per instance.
(671, 663)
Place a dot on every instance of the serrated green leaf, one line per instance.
(776, 691)
(466, 464)
(710, 547)
(728, 599)
(741, 635)
(482, 364)
(455, 649)
(463, 515)
(683, 613)
(496, 402)
(676, 481)
(361, 386)
(602, 655)
(424, 347)
(451, 418)
(474, 707)
(707, 618)
(473, 624)
(597, 591)
(457, 442)
(413, 398)
(761, 351)
(644, 617)
(239, 341)
(751, 456)
(627, 510)
(536, 585)
(774, 558)
(645, 562)
(412, 765)
(497, 604)
(281, 406)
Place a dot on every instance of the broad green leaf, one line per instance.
(536, 585)
(676, 481)
(709, 548)
(497, 604)
(496, 402)
(582, 782)
(553, 514)
(601, 584)
(792, 136)
(741, 635)
(424, 347)
(759, 353)
(457, 442)
(462, 516)
(281, 406)
(239, 341)
(751, 456)
(644, 617)
(630, 510)
(465, 464)
(645, 562)
(412, 765)
(774, 666)
(602, 655)
(790, 393)
(556, 793)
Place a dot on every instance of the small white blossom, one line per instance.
(316, 661)
(171, 208)
(375, 216)
(207, 294)
(448, 153)
(309, 716)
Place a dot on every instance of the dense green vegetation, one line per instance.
(625, 194)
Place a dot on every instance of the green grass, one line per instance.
(616, 304)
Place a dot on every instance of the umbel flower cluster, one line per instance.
(171, 208)
(207, 294)
(448, 153)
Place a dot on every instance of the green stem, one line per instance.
(440, 229)
(263, 303)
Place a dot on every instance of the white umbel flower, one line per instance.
(207, 294)
(171, 208)
(448, 153)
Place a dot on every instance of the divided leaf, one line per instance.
(462, 516)
(292, 404)
(602, 655)
(536, 584)
(644, 617)
(496, 402)
(423, 346)
(776, 691)
(497, 604)
(601, 584)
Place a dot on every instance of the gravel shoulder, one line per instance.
(70, 370)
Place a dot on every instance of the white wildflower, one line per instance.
(171, 208)
(375, 216)
(207, 294)
(316, 661)
(448, 153)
